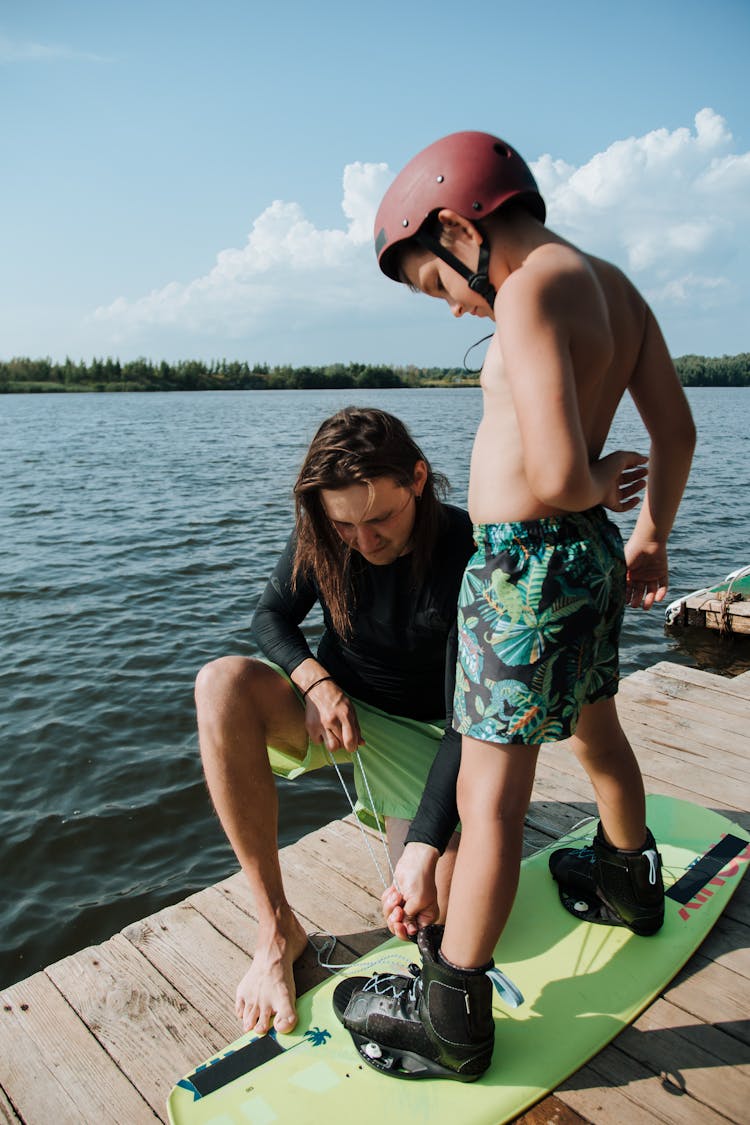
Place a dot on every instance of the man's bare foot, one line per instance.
(267, 988)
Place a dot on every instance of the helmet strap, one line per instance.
(478, 281)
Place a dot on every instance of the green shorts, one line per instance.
(539, 616)
(397, 757)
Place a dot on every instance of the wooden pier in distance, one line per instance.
(724, 607)
(101, 1037)
(709, 611)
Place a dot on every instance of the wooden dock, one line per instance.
(101, 1037)
(725, 608)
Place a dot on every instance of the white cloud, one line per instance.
(287, 265)
(669, 207)
(13, 51)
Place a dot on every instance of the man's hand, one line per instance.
(331, 718)
(411, 901)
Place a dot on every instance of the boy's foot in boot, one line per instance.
(600, 883)
(436, 1023)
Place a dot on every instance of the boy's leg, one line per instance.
(600, 745)
(243, 706)
(441, 1024)
(494, 790)
(617, 879)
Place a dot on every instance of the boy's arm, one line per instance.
(664, 409)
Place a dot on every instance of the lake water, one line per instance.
(136, 533)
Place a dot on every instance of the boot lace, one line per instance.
(396, 985)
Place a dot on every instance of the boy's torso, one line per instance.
(599, 325)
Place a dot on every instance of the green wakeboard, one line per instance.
(582, 984)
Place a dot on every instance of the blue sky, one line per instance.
(198, 179)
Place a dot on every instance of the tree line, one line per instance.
(37, 375)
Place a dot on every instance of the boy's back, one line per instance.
(572, 335)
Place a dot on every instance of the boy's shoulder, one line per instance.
(559, 280)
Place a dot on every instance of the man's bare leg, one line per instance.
(243, 705)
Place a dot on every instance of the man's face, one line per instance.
(375, 518)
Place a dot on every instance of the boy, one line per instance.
(542, 598)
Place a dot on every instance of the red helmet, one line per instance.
(471, 173)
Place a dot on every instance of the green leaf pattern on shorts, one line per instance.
(538, 633)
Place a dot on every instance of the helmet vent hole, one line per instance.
(477, 205)
(501, 150)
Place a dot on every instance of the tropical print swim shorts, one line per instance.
(539, 616)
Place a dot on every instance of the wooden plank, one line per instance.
(330, 899)
(202, 964)
(714, 1067)
(708, 699)
(720, 751)
(557, 766)
(641, 1094)
(713, 994)
(52, 1070)
(718, 727)
(601, 1100)
(712, 683)
(221, 909)
(656, 775)
(7, 1114)
(144, 1023)
(341, 848)
(712, 613)
(550, 1111)
(692, 759)
(220, 904)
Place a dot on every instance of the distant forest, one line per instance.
(39, 375)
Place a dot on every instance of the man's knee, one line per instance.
(222, 678)
(238, 693)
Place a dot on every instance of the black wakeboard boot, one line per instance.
(435, 1023)
(600, 883)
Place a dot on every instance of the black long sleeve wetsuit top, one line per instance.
(400, 655)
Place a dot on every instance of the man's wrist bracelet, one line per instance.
(315, 683)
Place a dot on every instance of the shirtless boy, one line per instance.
(542, 598)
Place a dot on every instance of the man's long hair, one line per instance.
(356, 446)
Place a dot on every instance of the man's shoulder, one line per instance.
(457, 530)
(457, 518)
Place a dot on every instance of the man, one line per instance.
(379, 552)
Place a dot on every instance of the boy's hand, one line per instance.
(622, 476)
(411, 901)
(647, 574)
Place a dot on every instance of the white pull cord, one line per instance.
(356, 755)
(329, 942)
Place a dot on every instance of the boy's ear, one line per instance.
(457, 227)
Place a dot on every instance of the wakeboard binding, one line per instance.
(602, 884)
(435, 1023)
